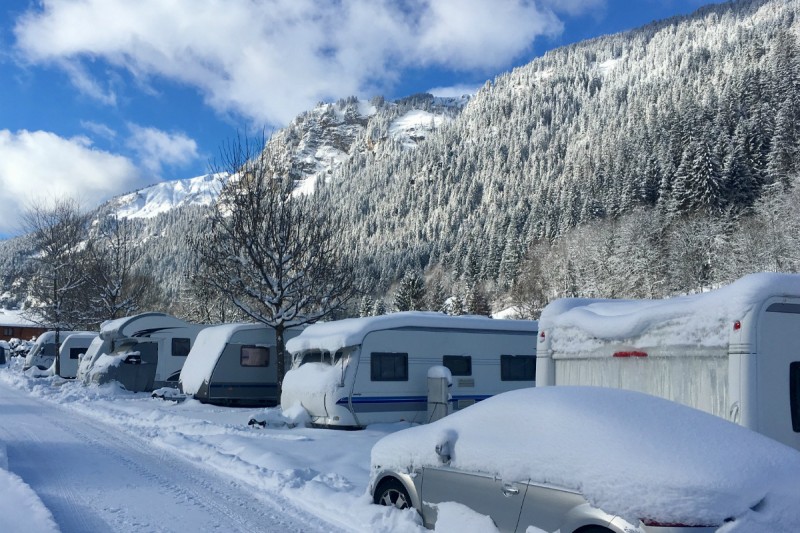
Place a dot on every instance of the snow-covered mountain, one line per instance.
(684, 119)
(162, 197)
(315, 144)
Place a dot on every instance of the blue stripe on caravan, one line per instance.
(476, 397)
(377, 404)
(404, 399)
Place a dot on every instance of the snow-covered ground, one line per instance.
(89, 458)
(319, 475)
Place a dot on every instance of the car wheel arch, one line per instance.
(405, 480)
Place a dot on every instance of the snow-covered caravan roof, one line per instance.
(138, 325)
(332, 336)
(50, 336)
(207, 348)
(575, 325)
(80, 335)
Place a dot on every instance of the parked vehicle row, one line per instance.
(589, 459)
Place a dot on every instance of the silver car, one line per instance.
(513, 506)
(618, 448)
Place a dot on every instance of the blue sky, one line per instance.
(100, 97)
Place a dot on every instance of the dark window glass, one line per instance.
(459, 365)
(181, 346)
(794, 394)
(312, 357)
(518, 367)
(254, 356)
(317, 356)
(75, 353)
(8, 331)
(389, 366)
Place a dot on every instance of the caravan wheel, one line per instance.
(392, 493)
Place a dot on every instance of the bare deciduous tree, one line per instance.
(273, 255)
(115, 284)
(57, 233)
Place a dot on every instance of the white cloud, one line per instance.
(101, 130)
(37, 166)
(156, 148)
(270, 59)
(455, 90)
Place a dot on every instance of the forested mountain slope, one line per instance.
(691, 116)
(584, 172)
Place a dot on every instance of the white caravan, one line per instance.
(234, 364)
(44, 350)
(142, 352)
(72, 350)
(360, 371)
(733, 352)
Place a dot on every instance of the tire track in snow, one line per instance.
(94, 478)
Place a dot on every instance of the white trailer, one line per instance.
(355, 372)
(733, 352)
(234, 364)
(143, 352)
(44, 350)
(72, 350)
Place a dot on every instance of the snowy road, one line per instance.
(93, 478)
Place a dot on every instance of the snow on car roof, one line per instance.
(700, 320)
(332, 336)
(628, 453)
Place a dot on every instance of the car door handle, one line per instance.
(510, 490)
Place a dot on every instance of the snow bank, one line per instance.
(21, 509)
(702, 320)
(628, 453)
(203, 357)
(451, 516)
(333, 336)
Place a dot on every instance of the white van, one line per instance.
(45, 349)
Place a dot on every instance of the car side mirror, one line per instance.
(443, 451)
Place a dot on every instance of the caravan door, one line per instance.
(778, 371)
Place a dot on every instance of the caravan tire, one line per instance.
(391, 492)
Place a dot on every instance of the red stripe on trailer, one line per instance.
(630, 354)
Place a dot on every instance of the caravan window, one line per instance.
(389, 366)
(181, 347)
(459, 365)
(254, 356)
(517, 367)
(317, 356)
(794, 394)
(75, 353)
